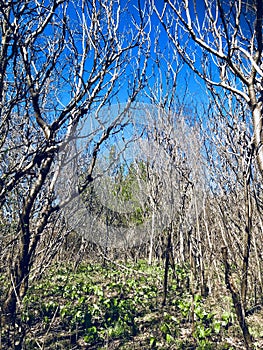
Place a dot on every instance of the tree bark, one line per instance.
(166, 267)
(237, 301)
(258, 137)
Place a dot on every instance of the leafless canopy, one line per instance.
(59, 61)
(221, 41)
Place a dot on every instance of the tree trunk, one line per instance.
(246, 247)
(166, 267)
(238, 302)
(258, 137)
(151, 239)
(19, 275)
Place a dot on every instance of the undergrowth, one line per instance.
(119, 307)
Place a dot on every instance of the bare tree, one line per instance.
(235, 205)
(59, 62)
(221, 42)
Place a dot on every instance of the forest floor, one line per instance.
(115, 306)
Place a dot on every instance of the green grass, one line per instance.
(119, 307)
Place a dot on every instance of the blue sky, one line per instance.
(185, 77)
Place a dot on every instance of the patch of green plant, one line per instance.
(93, 309)
(169, 328)
(96, 304)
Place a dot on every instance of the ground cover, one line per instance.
(115, 306)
